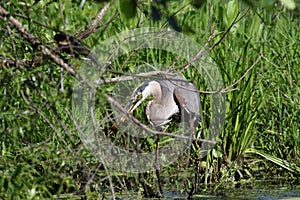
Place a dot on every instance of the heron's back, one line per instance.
(185, 89)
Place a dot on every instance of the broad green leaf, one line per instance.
(267, 3)
(232, 10)
(289, 4)
(128, 8)
(198, 3)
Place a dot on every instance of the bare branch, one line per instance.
(100, 157)
(35, 41)
(92, 28)
(16, 62)
(130, 77)
(30, 104)
(243, 76)
(146, 128)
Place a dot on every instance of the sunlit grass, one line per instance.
(41, 151)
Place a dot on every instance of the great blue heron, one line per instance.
(171, 95)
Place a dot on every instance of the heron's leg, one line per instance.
(197, 163)
(157, 167)
(149, 192)
(194, 139)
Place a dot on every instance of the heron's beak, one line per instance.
(134, 103)
(134, 106)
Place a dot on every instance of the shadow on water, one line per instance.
(256, 190)
(261, 190)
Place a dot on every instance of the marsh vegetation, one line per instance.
(256, 48)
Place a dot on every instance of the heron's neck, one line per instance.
(156, 93)
(156, 97)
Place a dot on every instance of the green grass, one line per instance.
(41, 151)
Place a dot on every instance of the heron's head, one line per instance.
(142, 92)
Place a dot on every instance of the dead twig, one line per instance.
(30, 104)
(35, 41)
(210, 38)
(93, 27)
(100, 157)
(243, 76)
(146, 128)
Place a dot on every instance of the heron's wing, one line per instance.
(179, 99)
(188, 103)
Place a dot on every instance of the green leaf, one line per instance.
(278, 161)
(232, 10)
(198, 3)
(289, 4)
(128, 8)
(267, 3)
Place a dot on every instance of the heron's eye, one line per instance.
(135, 97)
(139, 95)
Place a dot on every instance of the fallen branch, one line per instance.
(35, 41)
(92, 28)
(146, 128)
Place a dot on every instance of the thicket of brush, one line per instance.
(256, 49)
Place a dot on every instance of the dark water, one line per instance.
(255, 191)
(263, 190)
(259, 191)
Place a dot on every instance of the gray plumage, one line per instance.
(171, 95)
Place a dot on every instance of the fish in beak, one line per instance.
(135, 101)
